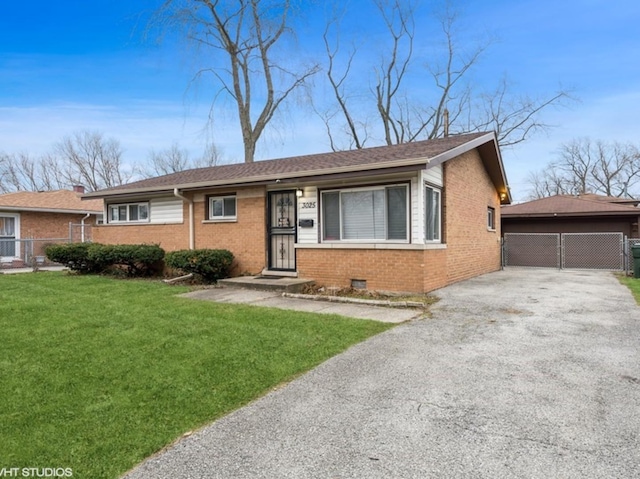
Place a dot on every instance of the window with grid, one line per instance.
(129, 213)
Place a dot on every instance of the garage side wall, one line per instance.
(472, 247)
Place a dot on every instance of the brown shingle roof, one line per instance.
(300, 166)
(562, 205)
(59, 200)
(608, 199)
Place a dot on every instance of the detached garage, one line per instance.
(564, 231)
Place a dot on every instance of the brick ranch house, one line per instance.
(407, 218)
(28, 219)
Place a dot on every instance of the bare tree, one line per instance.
(398, 17)
(513, 118)
(168, 160)
(403, 117)
(175, 158)
(584, 166)
(22, 172)
(246, 32)
(88, 158)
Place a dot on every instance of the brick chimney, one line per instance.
(78, 189)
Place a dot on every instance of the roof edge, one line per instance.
(438, 159)
(50, 210)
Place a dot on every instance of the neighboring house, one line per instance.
(573, 214)
(411, 217)
(564, 231)
(28, 220)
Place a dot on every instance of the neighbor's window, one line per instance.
(7, 233)
(379, 213)
(222, 207)
(129, 213)
(432, 213)
(491, 218)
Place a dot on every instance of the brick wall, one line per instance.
(48, 225)
(384, 270)
(170, 237)
(245, 238)
(471, 249)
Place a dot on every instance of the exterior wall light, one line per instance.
(299, 193)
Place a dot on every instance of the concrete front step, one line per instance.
(268, 283)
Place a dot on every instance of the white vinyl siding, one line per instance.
(366, 214)
(433, 175)
(166, 210)
(308, 211)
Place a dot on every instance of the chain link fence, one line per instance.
(605, 251)
(628, 254)
(537, 250)
(30, 252)
(26, 253)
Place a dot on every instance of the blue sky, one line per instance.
(72, 65)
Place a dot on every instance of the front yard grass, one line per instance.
(96, 374)
(633, 284)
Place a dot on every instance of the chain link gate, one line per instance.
(541, 250)
(604, 251)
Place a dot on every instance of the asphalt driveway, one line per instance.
(519, 373)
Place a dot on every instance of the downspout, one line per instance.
(192, 236)
(82, 227)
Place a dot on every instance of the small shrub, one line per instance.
(137, 259)
(209, 264)
(75, 256)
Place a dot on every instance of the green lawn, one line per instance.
(96, 374)
(633, 284)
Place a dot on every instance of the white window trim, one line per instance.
(439, 191)
(16, 217)
(369, 241)
(127, 221)
(223, 218)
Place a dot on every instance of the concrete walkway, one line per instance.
(274, 299)
(519, 374)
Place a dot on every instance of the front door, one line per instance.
(281, 227)
(7, 237)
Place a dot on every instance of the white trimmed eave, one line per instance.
(289, 176)
(50, 210)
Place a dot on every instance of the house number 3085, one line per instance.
(307, 205)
